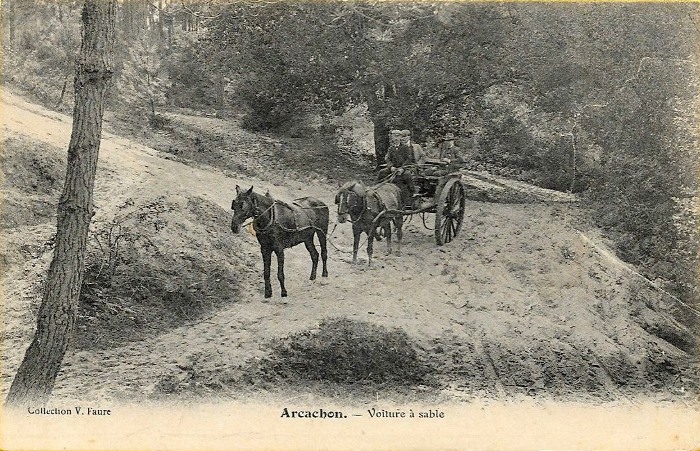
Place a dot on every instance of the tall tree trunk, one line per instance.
(125, 17)
(574, 161)
(378, 107)
(36, 375)
(63, 93)
(171, 29)
(381, 140)
(161, 17)
(11, 24)
(132, 26)
(221, 92)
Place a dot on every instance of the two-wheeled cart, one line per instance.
(439, 190)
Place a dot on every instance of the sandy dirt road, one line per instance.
(518, 305)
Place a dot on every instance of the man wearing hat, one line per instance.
(449, 150)
(401, 151)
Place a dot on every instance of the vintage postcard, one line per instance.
(349, 225)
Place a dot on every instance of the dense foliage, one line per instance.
(593, 98)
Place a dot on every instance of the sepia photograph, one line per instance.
(297, 224)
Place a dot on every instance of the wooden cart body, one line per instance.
(439, 190)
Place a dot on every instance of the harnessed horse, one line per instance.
(369, 209)
(279, 225)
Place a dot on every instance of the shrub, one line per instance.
(346, 351)
(134, 285)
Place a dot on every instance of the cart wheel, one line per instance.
(450, 211)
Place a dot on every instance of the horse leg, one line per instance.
(387, 232)
(356, 231)
(267, 258)
(309, 243)
(280, 270)
(370, 247)
(324, 250)
(398, 223)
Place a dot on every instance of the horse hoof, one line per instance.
(312, 278)
(284, 294)
(325, 274)
(268, 295)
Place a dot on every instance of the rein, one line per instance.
(388, 179)
(272, 217)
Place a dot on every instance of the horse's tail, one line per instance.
(324, 218)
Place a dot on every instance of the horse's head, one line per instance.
(350, 200)
(244, 206)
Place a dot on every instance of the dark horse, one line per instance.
(369, 210)
(279, 225)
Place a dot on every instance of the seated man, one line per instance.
(402, 151)
(400, 156)
(449, 151)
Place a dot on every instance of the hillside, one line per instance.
(526, 301)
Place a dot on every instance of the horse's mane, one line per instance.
(259, 196)
(261, 199)
(267, 197)
(355, 186)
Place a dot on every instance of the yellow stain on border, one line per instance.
(418, 2)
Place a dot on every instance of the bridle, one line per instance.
(344, 200)
(255, 216)
(259, 215)
(346, 195)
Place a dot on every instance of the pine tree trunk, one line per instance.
(63, 93)
(171, 29)
(574, 158)
(161, 17)
(381, 140)
(221, 92)
(36, 375)
(125, 17)
(11, 24)
(377, 107)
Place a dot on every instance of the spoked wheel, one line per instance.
(450, 211)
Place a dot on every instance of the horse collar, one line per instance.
(379, 202)
(364, 209)
(271, 209)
